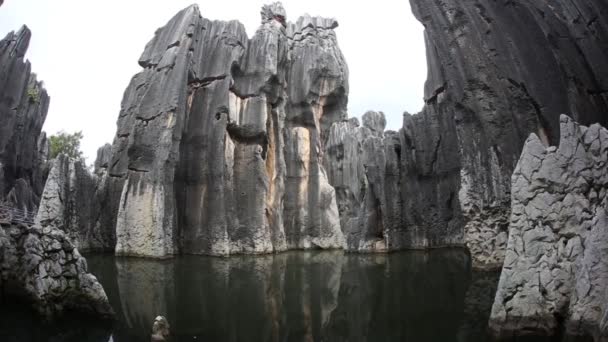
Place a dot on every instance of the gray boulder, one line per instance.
(44, 268)
(555, 274)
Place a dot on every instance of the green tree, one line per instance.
(68, 144)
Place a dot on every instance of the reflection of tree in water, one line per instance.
(297, 296)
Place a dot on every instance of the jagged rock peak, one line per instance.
(104, 156)
(18, 42)
(555, 274)
(309, 22)
(168, 38)
(71, 203)
(375, 121)
(274, 11)
(23, 109)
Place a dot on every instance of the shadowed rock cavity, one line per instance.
(220, 139)
(23, 107)
(555, 274)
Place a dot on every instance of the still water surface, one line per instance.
(296, 296)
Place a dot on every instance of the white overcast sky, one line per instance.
(86, 52)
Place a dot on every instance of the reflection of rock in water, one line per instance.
(477, 306)
(146, 289)
(414, 296)
(296, 296)
(270, 298)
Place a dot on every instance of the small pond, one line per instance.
(295, 296)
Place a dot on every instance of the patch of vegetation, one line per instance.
(66, 143)
(33, 95)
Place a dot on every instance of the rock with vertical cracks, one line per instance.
(360, 160)
(212, 154)
(498, 71)
(72, 202)
(23, 108)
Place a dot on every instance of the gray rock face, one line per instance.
(72, 202)
(104, 157)
(220, 139)
(43, 267)
(362, 162)
(555, 268)
(497, 72)
(23, 107)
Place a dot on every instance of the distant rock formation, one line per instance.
(44, 268)
(363, 164)
(23, 108)
(220, 139)
(556, 266)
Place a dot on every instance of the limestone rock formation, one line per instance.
(498, 71)
(72, 202)
(220, 139)
(23, 107)
(102, 162)
(556, 266)
(42, 266)
(363, 168)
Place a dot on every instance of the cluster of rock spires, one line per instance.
(233, 145)
(39, 265)
(23, 107)
(219, 146)
(229, 145)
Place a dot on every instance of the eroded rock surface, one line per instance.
(363, 167)
(220, 139)
(72, 202)
(556, 266)
(23, 108)
(498, 71)
(43, 267)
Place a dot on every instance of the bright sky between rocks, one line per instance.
(86, 52)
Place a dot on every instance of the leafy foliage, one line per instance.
(32, 94)
(68, 144)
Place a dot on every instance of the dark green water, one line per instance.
(299, 296)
